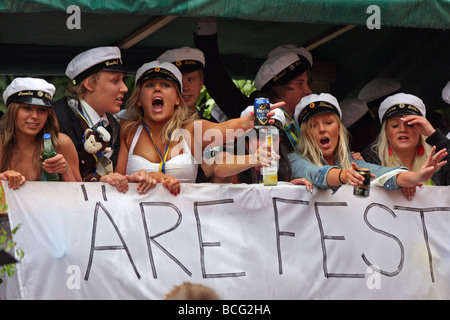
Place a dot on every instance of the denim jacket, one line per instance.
(302, 168)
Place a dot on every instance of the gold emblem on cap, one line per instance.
(178, 63)
(157, 69)
(401, 105)
(312, 105)
(40, 93)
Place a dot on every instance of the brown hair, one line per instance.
(8, 137)
(78, 91)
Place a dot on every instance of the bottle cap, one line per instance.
(47, 136)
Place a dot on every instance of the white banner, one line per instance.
(88, 241)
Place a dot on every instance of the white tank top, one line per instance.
(182, 166)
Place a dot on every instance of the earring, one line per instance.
(390, 151)
(420, 150)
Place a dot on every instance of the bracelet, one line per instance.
(339, 177)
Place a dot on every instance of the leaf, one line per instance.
(10, 269)
(10, 244)
(20, 253)
(16, 228)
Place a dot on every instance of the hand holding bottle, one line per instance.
(56, 164)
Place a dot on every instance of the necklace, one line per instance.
(162, 165)
(292, 129)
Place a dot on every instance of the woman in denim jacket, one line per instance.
(323, 156)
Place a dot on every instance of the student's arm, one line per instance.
(217, 81)
(15, 179)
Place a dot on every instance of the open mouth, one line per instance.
(324, 141)
(403, 138)
(158, 104)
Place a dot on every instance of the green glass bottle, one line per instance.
(47, 154)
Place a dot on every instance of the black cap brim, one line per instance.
(115, 65)
(31, 98)
(316, 108)
(188, 66)
(400, 110)
(159, 75)
(290, 72)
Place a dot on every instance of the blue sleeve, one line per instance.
(302, 168)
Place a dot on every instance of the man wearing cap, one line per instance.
(190, 62)
(96, 92)
(284, 76)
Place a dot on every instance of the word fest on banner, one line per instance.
(88, 241)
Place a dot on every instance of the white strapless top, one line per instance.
(182, 166)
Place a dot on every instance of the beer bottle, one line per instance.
(47, 154)
(270, 173)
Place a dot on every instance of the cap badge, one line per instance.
(157, 69)
(40, 94)
(312, 105)
(178, 63)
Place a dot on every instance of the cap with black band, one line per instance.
(283, 64)
(32, 91)
(401, 104)
(159, 70)
(94, 60)
(314, 104)
(186, 59)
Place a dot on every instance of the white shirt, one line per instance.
(92, 116)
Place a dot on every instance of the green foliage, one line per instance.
(8, 244)
(4, 82)
(206, 103)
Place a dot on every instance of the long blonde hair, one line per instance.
(381, 147)
(308, 148)
(9, 142)
(180, 118)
